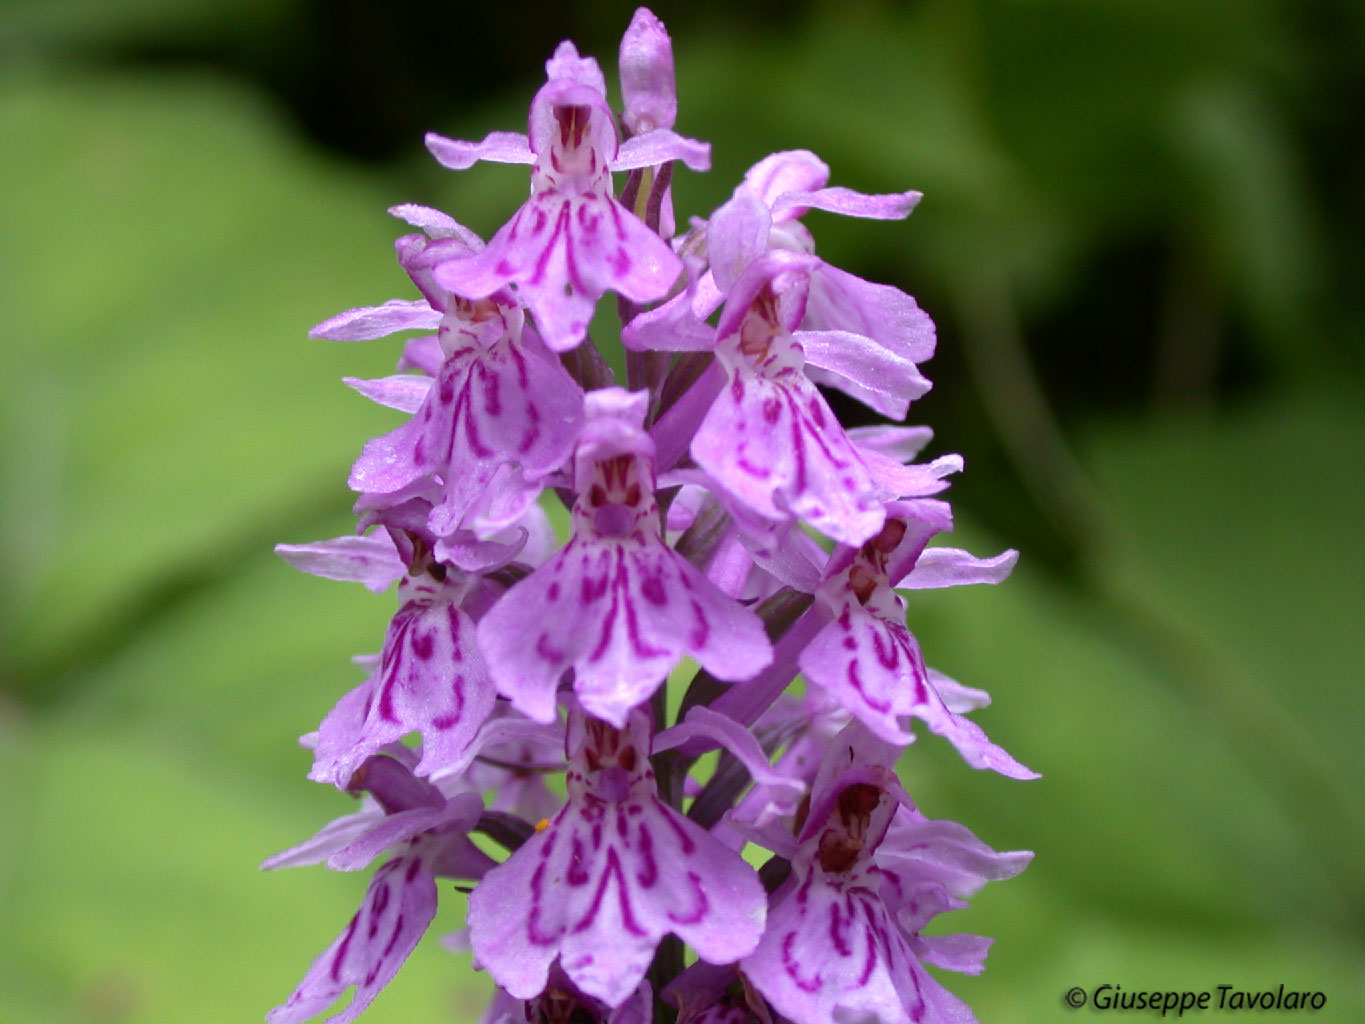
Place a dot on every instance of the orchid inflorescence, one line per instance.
(698, 496)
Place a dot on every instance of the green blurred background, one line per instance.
(1142, 223)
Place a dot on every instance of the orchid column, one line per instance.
(719, 513)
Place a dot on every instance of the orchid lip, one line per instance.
(614, 520)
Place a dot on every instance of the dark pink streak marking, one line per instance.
(613, 869)
(793, 967)
(700, 907)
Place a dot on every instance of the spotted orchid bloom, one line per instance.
(615, 871)
(843, 937)
(845, 316)
(573, 240)
(429, 678)
(865, 339)
(612, 568)
(617, 604)
(499, 399)
(868, 660)
(771, 439)
(427, 833)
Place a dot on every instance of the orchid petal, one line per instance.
(870, 662)
(371, 560)
(404, 391)
(777, 447)
(422, 354)
(832, 954)
(660, 146)
(704, 724)
(431, 680)
(957, 698)
(859, 366)
(840, 301)
(333, 836)
(895, 442)
(598, 891)
(565, 63)
(894, 206)
(398, 906)
(562, 253)
(953, 567)
(506, 404)
(946, 853)
(797, 170)
(648, 92)
(394, 829)
(736, 235)
(496, 147)
(369, 322)
(636, 610)
(965, 954)
(436, 224)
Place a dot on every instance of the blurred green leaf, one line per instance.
(143, 904)
(166, 251)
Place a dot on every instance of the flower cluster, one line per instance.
(718, 512)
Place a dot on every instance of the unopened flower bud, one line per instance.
(647, 85)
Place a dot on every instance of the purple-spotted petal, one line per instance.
(510, 403)
(431, 680)
(398, 907)
(832, 954)
(621, 615)
(562, 253)
(868, 661)
(869, 666)
(777, 447)
(600, 887)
